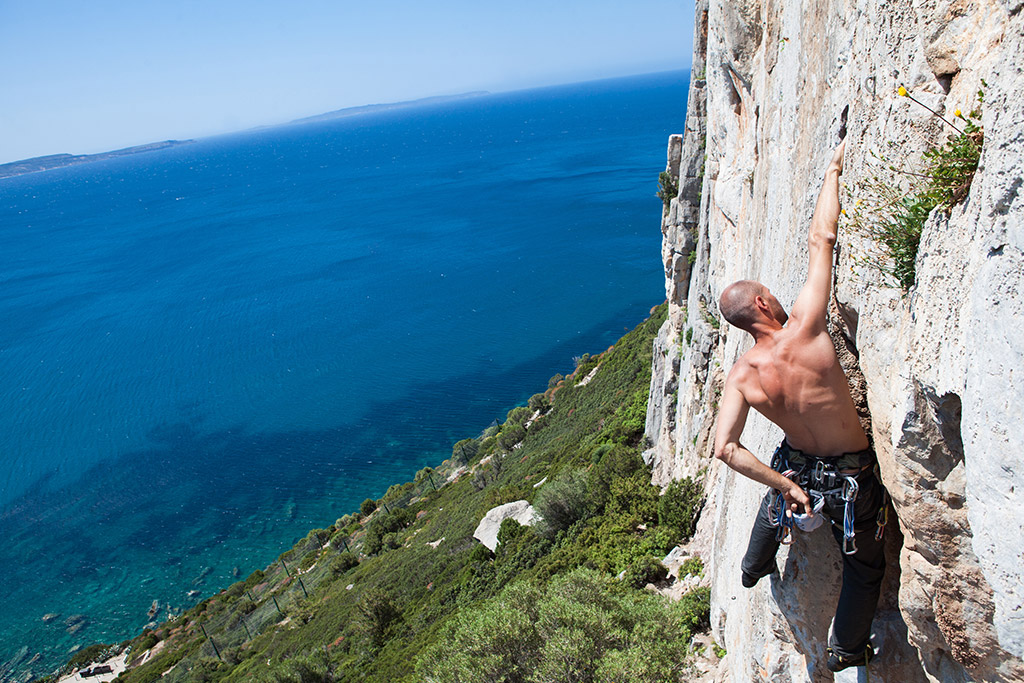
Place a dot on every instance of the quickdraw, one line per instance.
(882, 518)
(779, 518)
(849, 495)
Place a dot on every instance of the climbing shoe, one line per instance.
(837, 662)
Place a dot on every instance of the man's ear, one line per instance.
(763, 306)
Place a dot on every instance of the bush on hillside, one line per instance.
(539, 402)
(368, 506)
(562, 502)
(343, 562)
(376, 614)
(511, 434)
(583, 626)
(465, 450)
(647, 569)
(679, 507)
(382, 526)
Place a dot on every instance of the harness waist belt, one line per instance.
(847, 461)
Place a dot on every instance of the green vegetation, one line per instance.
(582, 626)
(892, 206)
(668, 189)
(680, 506)
(401, 592)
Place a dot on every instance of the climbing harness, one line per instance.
(822, 479)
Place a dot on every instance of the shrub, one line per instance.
(147, 642)
(694, 609)
(382, 526)
(561, 502)
(510, 435)
(519, 548)
(518, 415)
(679, 507)
(892, 206)
(614, 461)
(376, 614)
(87, 655)
(580, 627)
(693, 565)
(647, 569)
(539, 402)
(627, 424)
(465, 450)
(343, 562)
(253, 579)
(368, 506)
(668, 189)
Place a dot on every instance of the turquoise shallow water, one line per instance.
(210, 349)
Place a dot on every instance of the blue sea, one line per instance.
(210, 349)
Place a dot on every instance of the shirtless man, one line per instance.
(792, 376)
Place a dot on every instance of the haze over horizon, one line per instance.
(84, 79)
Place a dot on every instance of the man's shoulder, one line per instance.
(742, 369)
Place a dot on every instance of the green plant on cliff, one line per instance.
(668, 189)
(891, 206)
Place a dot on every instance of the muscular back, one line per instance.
(795, 380)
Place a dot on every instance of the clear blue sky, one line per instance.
(84, 77)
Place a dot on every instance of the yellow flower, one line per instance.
(958, 114)
(842, 211)
(902, 91)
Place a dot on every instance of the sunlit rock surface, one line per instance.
(941, 364)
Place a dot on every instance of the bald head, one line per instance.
(738, 304)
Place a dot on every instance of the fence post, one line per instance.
(215, 650)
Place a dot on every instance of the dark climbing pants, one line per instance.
(862, 571)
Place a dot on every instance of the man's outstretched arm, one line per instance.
(812, 303)
(732, 415)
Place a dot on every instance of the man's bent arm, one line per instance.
(732, 415)
(812, 303)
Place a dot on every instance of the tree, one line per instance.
(368, 506)
(376, 614)
(539, 402)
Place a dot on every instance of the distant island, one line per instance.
(370, 108)
(45, 163)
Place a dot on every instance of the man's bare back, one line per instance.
(795, 380)
(791, 375)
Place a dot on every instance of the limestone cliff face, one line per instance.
(939, 368)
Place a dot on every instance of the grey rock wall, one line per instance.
(937, 368)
